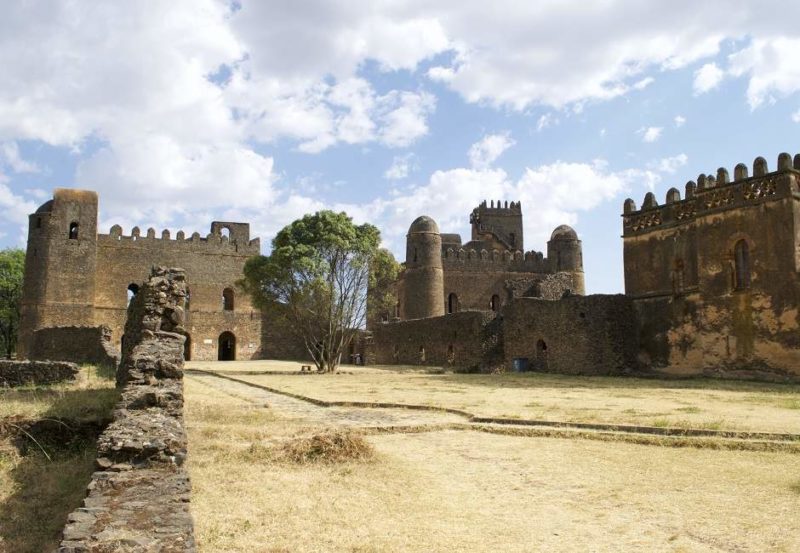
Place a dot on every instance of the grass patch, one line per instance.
(691, 409)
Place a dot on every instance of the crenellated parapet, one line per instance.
(495, 260)
(219, 240)
(714, 193)
(500, 220)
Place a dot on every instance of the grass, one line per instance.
(90, 397)
(700, 403)
(42, 481)
(473, 491)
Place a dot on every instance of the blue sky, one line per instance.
(183, 112)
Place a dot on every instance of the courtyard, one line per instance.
(440, 482)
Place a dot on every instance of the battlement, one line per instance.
(501, 221)
(215, 241)
(495, 260)
(486, 206)
(713, 194)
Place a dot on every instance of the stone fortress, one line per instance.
(711, 288)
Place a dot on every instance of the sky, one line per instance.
(182, 112)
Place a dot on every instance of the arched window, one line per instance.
(73, 230)
(495, 303)
(133, 289)
(451, 354)
(741, 260)
(422, 354)
(452, 303)
(225, 231)
(187, 301)
(227, 299)
(38, 222)
(541, 347)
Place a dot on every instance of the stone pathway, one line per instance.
(358, 417)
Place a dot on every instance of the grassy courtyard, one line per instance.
(696, 403)
(460, 490)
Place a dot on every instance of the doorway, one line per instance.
(227, 347)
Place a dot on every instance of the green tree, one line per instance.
(382, 291)
(315, 281)
(12, 270)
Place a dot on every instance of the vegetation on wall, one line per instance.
(316, 280)
(12, 269)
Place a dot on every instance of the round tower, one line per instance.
(424, 279)
(565, 254)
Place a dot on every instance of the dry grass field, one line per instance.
(44, 476)
(700, 403)
(459, 490)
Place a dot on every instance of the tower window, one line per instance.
(227, 299)
(38, 222)
(741, 260)
(73, 230)
(495, 303)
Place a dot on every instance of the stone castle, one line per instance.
(711, 288)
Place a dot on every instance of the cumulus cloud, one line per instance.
(484, 152)
(707, 78)
(400, 168)
(650, 134)
(669, 164)
(679, 121)
(770, 66)
(10, 155)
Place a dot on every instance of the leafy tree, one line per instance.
(315, 281)
(12, 269)
(382, 291)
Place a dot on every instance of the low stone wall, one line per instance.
(593, 335)
(78, 344)
(20, 373)
(139, 498)
(462, 341)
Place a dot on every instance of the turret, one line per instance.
(498, 225)
(60, 263)
(424, 279)
(565, 253)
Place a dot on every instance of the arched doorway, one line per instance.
(187, 349)
(227, 347)
(452, 303)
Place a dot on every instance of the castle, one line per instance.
(711, 287)
(77, 279)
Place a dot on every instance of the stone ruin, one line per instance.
(138, 500)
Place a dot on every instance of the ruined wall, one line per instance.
(695, 316)
(139, 497)
(463, 341)
(79, 344)
(593, 335)
(23, 373)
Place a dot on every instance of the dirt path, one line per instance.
(299, 410)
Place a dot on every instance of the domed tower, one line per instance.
(424, 279)
(566, 255)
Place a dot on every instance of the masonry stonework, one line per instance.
(75, 276)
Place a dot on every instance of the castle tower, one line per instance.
(60, 264)
(500, 225)
(424, 289)
(565, 253)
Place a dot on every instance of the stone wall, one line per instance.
(138, 499)
(21, 373)
(576, 335)
(464, 341)
(78, 344)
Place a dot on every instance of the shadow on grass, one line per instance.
(47, 463)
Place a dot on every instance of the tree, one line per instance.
(12, 270)
(315, 281)
(382, 292)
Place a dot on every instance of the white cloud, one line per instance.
(669, 164)
(484, 152)
(707, 78)
(9, 154)
(771, 68)
(400, 168)
(796, 116)
(546, 120)
(644, 83)
(680, 121)
(650, 134)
